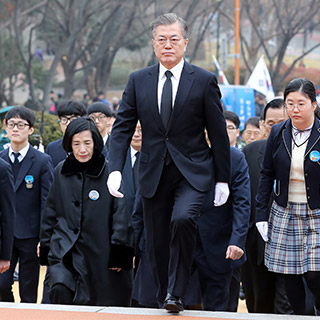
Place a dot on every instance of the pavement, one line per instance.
(17, 311)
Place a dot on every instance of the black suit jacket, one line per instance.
(56, 152)
(30, 200)
(254, 153)
(7, 210)
(197, 106)
(254, 156)
(228, 224)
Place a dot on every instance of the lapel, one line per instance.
(184, 88)
(152, 88)
(25, 166)
(314, 136)
(286, 137)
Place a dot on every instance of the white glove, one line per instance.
(221, 193)
(113, 183)
(262, 227)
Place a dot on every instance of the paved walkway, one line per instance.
(23, 311)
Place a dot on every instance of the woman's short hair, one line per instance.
(79, 125)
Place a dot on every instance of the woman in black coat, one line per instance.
(86, 235)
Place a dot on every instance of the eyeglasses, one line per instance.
(163, 41)
(66, 120)
(256, 134)
(290, 106)
(20, 125)
(100, 118)
(231, 128)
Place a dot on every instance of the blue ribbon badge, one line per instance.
(29, 181)
(94, 195)
(314, 156)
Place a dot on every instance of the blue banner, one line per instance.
(239, 99)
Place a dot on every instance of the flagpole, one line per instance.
(237, 46)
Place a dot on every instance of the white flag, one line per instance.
(222, 76)
(260, 80)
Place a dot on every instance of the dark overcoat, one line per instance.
(84, 232)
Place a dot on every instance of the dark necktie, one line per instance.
(15, 165)
(166, 100)
(135, 170)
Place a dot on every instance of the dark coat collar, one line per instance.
(92, 168)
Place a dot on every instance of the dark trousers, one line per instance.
(24, 250)
(170, 224)
(215, 287)
(234, 290)
(60, 294)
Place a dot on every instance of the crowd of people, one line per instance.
(161, 206)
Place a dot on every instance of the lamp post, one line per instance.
(237, 44)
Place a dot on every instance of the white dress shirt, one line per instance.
(133, 156)
(22, 152)
(176, 75)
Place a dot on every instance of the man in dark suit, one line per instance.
(259, 284)
(33, 175)
(7, 214)
(67, 111)
(221, 238)
(175, 102)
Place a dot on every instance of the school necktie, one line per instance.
(15, 165)
(166, 100)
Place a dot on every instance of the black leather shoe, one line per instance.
(173, 304)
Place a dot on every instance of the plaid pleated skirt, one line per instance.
(294, 239)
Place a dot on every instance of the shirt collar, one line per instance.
(176, 70)
(133, 152)
(23, 152)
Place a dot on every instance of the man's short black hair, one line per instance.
(233, 117)
(254, 121)
(22, 113)
(100, 107)
(273, 104)
(69, 107)
(79, 125)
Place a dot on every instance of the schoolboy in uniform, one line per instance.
(67, 111)
(33, 175)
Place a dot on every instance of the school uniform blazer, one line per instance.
(56, 152)
(228, 224)
(276, 165)
(197, 106)
(31, 197)
(7, 210)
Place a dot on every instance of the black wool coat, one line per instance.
(84, 232)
